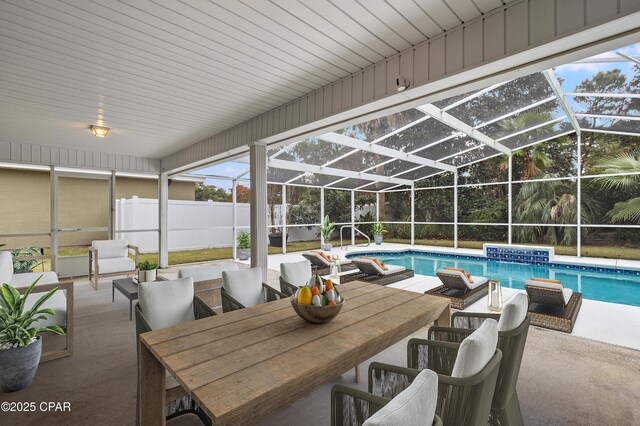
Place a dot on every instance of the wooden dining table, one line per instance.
(244, 365)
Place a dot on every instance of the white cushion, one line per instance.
(513, 312)
(26, 279)
(6, 267)
(392, 269)
(57, 302)
(116, 264)
(245, 286)
(207, 273)
(111, 248)
(166, 303)
(476, 350)
(566, 292)
(296, 273)
(414, 406)
(477, 281)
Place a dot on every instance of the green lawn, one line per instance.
(192, 256)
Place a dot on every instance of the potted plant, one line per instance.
(20, 345)
(326, 229)
(147, 271)
(23, 266)
(378, 230)
(244, 245)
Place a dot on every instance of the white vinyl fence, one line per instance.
(192, 224)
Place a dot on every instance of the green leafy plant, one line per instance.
(147, 266)
(326, 229)
(244, 240)
(25, 265)
(378, 229)
(16, 324)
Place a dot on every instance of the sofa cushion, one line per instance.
(116, 264)
(476, 350)
(57, 302)
(416, 405)
(296, 273)
(207, 273)
(167, 303)
(6, 267)
(513, 312)
(245, 286)
(111, 248)
(26, 279)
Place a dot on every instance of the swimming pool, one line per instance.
(596, 283)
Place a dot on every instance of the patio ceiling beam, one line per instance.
(562, 98)
(630, 58)
(603, 95)
(463, 127)
(308, 168)
(609, 117)
(382, 150)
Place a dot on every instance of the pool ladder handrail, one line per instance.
(359, 232)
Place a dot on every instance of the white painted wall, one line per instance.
(192, 224)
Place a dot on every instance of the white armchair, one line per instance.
(61, 302)
(110, 257)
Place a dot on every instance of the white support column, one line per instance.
(579, 199)
(322, 213)
(163, 220)
(112, 206)
(455, 209)
(377, 207)
(259, 230)
(413, 212)
(53, 200)
(283, 213)
(353, 217)
(510, 200)
(235, 217)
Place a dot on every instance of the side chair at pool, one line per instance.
(551, 305)
(376, 272)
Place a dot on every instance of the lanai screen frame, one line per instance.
(458, 128)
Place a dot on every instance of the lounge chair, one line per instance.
(322, 265)
(244, 288)
(462, 290)
(414, 406)
(294, 275)
(513, 327)
(375, 273)
(551, 305)
(111, 257)
(467, 374)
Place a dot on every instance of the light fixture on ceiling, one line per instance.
(99, 131)
(401, 83)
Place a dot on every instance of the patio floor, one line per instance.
(556, 383)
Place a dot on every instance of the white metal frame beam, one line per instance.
(609, 117)
(384, 151)
(603, 95)
(463, 127)
(308, 168)
(557, 89)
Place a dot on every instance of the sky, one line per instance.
(571, 75)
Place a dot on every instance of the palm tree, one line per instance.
(533, 160)
(629, 210)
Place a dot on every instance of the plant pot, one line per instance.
(18, 366)
(150, 275)
(275, 240)
(377, 239)
(326, 247)
(244, 254)
(142, 276)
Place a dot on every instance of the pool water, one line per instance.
(620, 286)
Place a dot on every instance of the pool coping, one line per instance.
(608, 266)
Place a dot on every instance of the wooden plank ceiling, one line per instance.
(166, 74)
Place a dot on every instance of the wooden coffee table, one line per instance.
(129, 288)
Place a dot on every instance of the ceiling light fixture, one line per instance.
(99, 131)
(401, 83)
